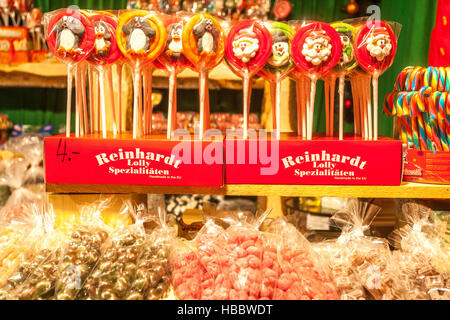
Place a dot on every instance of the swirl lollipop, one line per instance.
(70, 37)
(248, 46)
(316, 49)
(105, 53)
(347, 62)
(203, 45)
(141, 37)
(278, 67)
(375, 48)
(174, 61)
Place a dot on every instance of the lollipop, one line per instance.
(316, 49)
(174, 61)
(278, 67)
(141, 37)
(346, 63)
(248, 46)
(105, 53)
(203, 45)
(71, 38)
(375, 47)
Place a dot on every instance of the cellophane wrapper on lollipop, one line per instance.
(81, 251)
(300, 274)
(421, 262)
(36, 273)
(153, 273)
(115, 271)
(358, 262)
(23, 174)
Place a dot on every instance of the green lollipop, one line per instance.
(278, 66)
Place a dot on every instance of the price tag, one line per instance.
(316, 222)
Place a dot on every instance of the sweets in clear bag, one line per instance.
(375, 47)
(105, 53)
(174, 61)
(204, 46)
(141, 37)
(70, 37)
(278, 66)
(316, 49)
(248, 47)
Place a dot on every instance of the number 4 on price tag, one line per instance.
(63, 153)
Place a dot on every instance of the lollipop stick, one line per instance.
(136, 93)
(327, 105)
(311, 106)
(145, 99)
(298, 89)
(119, 95)
(101, 72)
(369, 107)
(91, 99)
(203, 103)
(113, 105)
(356, 119)
(69, 99)
(375, 104)
(273, 94)
(305, 106)
(149, 100)
(278, 105)
(172, 114)
(332, 95)
(98, 104)
(84, 100)
(78, 112)
(246, 87)
(341, 106)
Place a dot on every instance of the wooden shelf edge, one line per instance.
(406, 190)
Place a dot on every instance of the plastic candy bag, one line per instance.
(116, 268)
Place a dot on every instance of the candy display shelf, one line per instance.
(54, 75)
(406, 190)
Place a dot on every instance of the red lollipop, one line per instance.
(375, 48)
(70, 37)
(174, 61)
(316, 49)
(105, 53)
(247, 49)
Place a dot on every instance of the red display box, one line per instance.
(123, 161)
(427, 167)
(322, 161)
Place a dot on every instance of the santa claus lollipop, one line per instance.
(346, 63)
(278, 67)
(141, 37)
(316, 49)
(248, 46)
(71, 38)
(174, 61)
(203, 45)
(105, 53)
(375, 47)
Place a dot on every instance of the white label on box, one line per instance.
(315, 222)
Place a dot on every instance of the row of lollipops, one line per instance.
(304, 50)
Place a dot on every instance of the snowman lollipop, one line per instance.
(375, 48)
(141, 37)
(174, 61)
(203, 45)
(70, 37)
(248, 46)
(316, 49)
